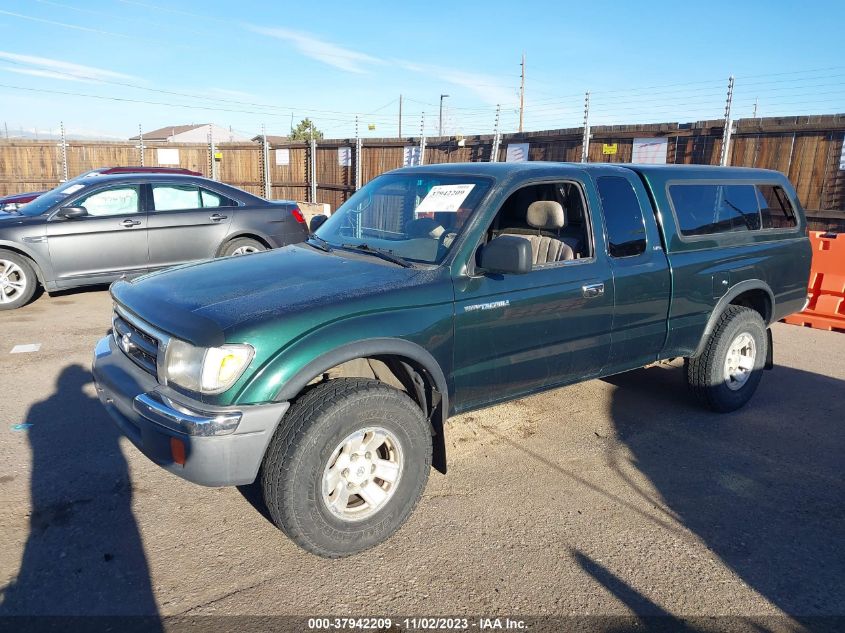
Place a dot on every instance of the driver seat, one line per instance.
(546, 216)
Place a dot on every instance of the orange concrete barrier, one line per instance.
(826, 308)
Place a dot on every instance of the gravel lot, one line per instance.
(610, 497)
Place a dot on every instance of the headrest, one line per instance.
(546, 214)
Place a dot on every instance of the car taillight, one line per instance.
(297, 215)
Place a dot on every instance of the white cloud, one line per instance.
(58, 69)
(488, 88)
(326, 52)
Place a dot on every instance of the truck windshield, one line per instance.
(413, 216)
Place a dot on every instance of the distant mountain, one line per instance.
(54, 135)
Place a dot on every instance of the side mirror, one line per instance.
(317, 222)
(71, 213)
(507, 254)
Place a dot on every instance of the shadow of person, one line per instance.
(84, 554)
(762, 487)
(647, 615)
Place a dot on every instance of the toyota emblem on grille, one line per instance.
(126, 343)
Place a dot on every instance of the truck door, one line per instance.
(641, 277)
(517, 334)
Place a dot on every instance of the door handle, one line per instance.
(217, 217)
(590, 291)
(130, 223)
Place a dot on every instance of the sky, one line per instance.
(104, 67)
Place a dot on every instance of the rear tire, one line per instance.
(18, 280)
(341, 438)
(242, 246)
(727, 372)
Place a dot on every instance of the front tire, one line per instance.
(18, 281)
(727, 372)
(346, 466)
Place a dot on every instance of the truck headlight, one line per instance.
(205, 369)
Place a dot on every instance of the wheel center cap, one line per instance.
(359, 470)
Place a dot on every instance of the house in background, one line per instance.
(197, 133)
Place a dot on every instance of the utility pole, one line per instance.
(494, 151)
(400, 116)
(6, 127)
(440, 120)
(64, 151)
(422, 140)
(140, 145)
(522, 93)
(726, 134)
(585, 143)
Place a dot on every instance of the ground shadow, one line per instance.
(84, 554)
(762, 487)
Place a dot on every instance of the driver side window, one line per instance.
(552, 216)
(119, 200)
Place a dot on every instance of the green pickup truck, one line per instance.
(325, 372)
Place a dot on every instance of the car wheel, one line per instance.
(17, 280)
(727, 372)
(242, 246)
(346, 466)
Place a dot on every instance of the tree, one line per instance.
(305, 131)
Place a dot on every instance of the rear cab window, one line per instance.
(729, 207)
(623, 217)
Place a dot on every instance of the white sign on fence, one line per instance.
(650, 151)
(168, 156)
(516, 153)
(842, 156)
(411, 156)
(283, 157)
(344, 156)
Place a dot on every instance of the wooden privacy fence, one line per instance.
(809, 150)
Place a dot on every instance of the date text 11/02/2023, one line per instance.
(418, 623)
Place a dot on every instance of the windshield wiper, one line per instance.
(322, 244)
(379, 252)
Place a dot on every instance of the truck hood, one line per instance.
(200, 302)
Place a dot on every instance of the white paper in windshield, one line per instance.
(72, 189)
(444, 198)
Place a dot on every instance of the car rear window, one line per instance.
(707, 209)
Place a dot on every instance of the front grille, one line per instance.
(139, 345)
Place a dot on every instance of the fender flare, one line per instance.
(722, 304)
(40, 264)
(383, 347)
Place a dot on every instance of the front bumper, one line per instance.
(220, 446)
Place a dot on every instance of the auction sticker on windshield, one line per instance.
(448, 198)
